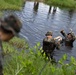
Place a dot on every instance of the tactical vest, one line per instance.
(48, 45)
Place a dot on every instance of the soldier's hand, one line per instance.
(60, 39)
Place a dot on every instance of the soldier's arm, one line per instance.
(57, 45)
(63, 33)
(58, 42)
(73, 35)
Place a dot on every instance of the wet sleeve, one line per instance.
(73, 35)
(57, 45)
(63, 33)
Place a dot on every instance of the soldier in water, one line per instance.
(69, 38)
(50, 43)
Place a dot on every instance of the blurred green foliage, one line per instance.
(62, 3)
(11, 4)
(32, 62)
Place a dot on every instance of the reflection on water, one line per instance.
(38, 18)
(71, 13)
(54, 9)
(36, 5)
(49, 10)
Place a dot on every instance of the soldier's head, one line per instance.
(69, 36)
(49, 34)
(9, 27)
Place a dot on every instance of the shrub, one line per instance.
(62, 3)
(11, 4)
(31, 62)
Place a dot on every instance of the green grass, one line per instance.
(62, 3)
(15, 43)
(31, 62)
(11, 4)
(17, 4)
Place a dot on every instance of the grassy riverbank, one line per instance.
(11, 4)
(17, 4)
(62, 3)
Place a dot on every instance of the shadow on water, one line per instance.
(38, 18)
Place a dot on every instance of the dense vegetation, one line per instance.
(62, 3)
(17, 4)
(31, 62)
(11, 4)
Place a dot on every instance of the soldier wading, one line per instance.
(50, 43)
(69, 38)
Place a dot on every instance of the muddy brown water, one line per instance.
(39, 19)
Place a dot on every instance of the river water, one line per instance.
(37, 20)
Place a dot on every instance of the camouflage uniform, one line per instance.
(49, 46)
(68, 42)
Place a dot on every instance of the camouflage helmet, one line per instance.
(48, 33)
